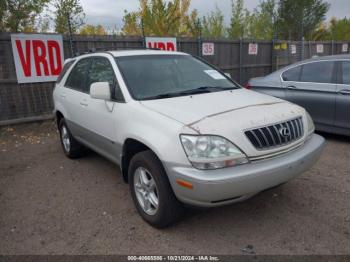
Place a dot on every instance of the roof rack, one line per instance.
(104, 49)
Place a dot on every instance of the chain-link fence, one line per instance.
(20, 102)
(288, 52)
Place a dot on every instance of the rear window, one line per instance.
(292, 74)
(318, 72)
(64, 70)
(346, 73)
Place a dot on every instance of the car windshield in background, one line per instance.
(165, 76)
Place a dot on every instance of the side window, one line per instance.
(76, 78)
(318, 72)
(64, 70)
(101, 70)
(292, 74)
(346, 72)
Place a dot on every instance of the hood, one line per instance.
(228, 114)
(191, 109)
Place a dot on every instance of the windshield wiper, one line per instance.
(161, 96)
(199, 90)
(215, 88)
(175, 94)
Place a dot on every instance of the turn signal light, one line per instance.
(184, 184)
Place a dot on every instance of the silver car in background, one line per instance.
(321, 85)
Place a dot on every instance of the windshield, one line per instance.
(164, 76)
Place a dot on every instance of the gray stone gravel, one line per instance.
(52, 205)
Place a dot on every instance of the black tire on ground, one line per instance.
(169, 208)
(75, 149)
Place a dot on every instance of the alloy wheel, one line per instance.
(65, 138)
(146, 191)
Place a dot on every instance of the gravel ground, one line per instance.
(52, 205)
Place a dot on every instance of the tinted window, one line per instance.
(319, 72)
(292, 74)
(149, 76)
(101, 71)
(346, 72)
(64, 70)
(76, 78)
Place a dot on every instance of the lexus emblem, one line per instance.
(284, 131)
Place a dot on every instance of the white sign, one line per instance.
(214, 74)
(163, 43)
(208, 49)
(38, 57)
(293, 49)
(319, 48)
(253, 49)
(344, 48)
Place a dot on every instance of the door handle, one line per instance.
(292, 87)
(84, 103)
(344, 92)
(63, 95)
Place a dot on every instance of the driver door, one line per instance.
(100, 115)
(315, 90)
(342, 118)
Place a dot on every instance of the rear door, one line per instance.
(315, 90)
(289, 80)
(74, 97)
(342, 118)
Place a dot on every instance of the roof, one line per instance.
(121, 53)
(313, 59)
(144, 52)
(323, 58)
(329, 57)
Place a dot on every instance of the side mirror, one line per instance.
(228, 74)
(100, 90)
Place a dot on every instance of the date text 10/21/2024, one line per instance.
(173, 258)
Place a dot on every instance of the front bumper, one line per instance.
(228, 185)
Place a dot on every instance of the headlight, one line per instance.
(211, 152)
(310, 124)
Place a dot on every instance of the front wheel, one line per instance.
(151, 191)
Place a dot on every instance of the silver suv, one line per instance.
(181, 131)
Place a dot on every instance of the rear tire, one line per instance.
(151, 191)
(71, 147)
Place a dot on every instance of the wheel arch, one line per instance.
(131, 147)
(59, 116)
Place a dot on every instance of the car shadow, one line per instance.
(270, 202)
(334, 137)
(254, 203)
(268, 209)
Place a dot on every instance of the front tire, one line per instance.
(151, 191)
(71, 147)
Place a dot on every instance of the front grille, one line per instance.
(276, 135)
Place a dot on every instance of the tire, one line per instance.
(169, 209)
(71, 147)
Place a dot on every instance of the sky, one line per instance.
(109, 13)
